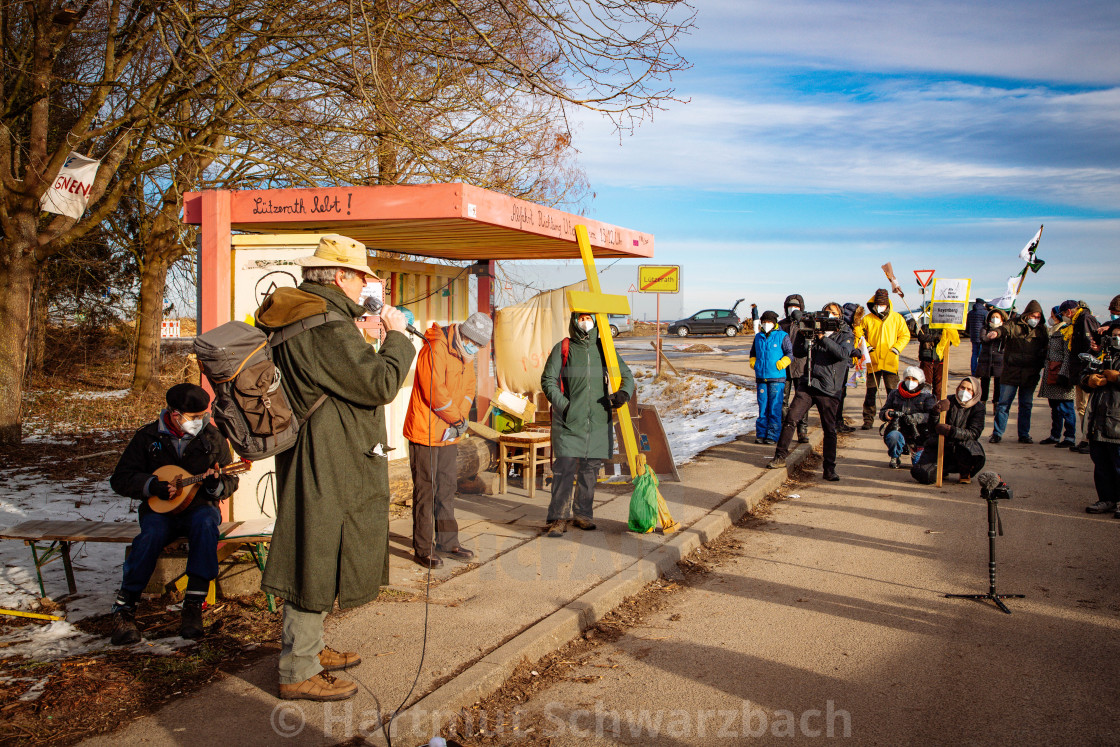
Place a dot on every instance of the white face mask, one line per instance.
(880, 309)
(192, 427)
(910, 385)
(833, 316)
(586, 325)
(1032, 322)
(767, 327)
(964, 395)
(996, 322)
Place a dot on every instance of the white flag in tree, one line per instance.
(69, 194)
(1007, 300)
(1029, 249)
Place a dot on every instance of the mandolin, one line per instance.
(187, 485)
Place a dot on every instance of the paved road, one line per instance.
(830, 615)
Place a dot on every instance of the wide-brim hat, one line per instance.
(335, 250)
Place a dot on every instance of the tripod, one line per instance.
(993, 522)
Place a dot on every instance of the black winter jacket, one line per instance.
(827, 359)
(918, 408)
(974, 324)
(153, 447)
(1102, 417)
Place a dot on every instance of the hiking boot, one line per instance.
(896, 463)
(428, 561)
(125, 631)
(844, 428)
(191, 626)
(1048, 441)
(1101, 507)
(994, 439)
(1026, 440)
(777, 463)
(585, 524)
(323, 686)
(832, 477)
(802, 434)
(458, 552)
(760, 440)
(1067, 444)
(332, 660)
(557, 528)
(1081, 448)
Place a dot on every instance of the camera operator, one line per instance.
(906, 417)
(961, 429)
(825, 342)
(1102, 422)
(794, 307)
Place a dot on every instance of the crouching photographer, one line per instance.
(906, 417)
(962, 428)
(1102, 421)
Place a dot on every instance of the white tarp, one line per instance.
(524, 335)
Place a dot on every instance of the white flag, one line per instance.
(1005, 301)
(69, 194)
(1028, 250)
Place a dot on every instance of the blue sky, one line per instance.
(821, 139)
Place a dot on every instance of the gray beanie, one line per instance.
(478, 328)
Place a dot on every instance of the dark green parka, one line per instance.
(581, 415)
(1024, 352)
(332, 525)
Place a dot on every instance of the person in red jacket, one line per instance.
(442, 394)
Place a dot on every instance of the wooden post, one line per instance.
(944, 415)
(657, 336)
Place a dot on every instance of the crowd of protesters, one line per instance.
(1067, 356)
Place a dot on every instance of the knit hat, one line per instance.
(1067, 305)
(882, 298)
(187, 398)
(913, 372)
(1056, 312)
(770, 316)
(478, 328)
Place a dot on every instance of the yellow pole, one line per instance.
(35, 615)
(626, 424)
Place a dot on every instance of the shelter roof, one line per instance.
(450, 221)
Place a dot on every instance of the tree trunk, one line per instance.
(153, 281)
(38, 338)
(17, 275)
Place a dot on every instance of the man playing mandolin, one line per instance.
(179, 445)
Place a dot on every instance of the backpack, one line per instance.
(250, 407)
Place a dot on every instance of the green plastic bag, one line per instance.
(643, 503)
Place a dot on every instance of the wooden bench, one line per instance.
(51, 539)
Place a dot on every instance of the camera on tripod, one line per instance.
(812, 322)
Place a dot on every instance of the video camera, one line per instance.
(812, 322)
(993, 488)
(909, 424)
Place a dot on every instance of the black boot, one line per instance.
(802, 433)
(125, 631)
(192, 619)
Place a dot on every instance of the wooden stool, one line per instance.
(529, 448)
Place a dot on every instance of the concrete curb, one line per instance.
(429, 714)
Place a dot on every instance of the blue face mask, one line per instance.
(1116, 317)
(469, 347)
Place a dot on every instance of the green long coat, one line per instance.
(581, 414)
(332, 525)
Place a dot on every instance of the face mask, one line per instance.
(1054, 322)
(469, 347)
(1116, 317)
(791, 309)
(1113, 343)
(996, 322)
(880, 309)
(767, 327)
(910, 385)
(964, 395)
(1032, 322)
(833, 316)
(586, 325)
(191, 427)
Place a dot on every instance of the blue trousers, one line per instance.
(975, 358)
(770, 397)
(1003, 408)
(1063, 413)
(1106, 470)
(896, 446)
(199, 525)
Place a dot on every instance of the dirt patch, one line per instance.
(86, 695)
(698, 347)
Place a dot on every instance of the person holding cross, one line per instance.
(576, 382)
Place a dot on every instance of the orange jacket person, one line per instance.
(442, 394)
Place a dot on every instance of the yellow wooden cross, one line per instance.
(600, 304)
